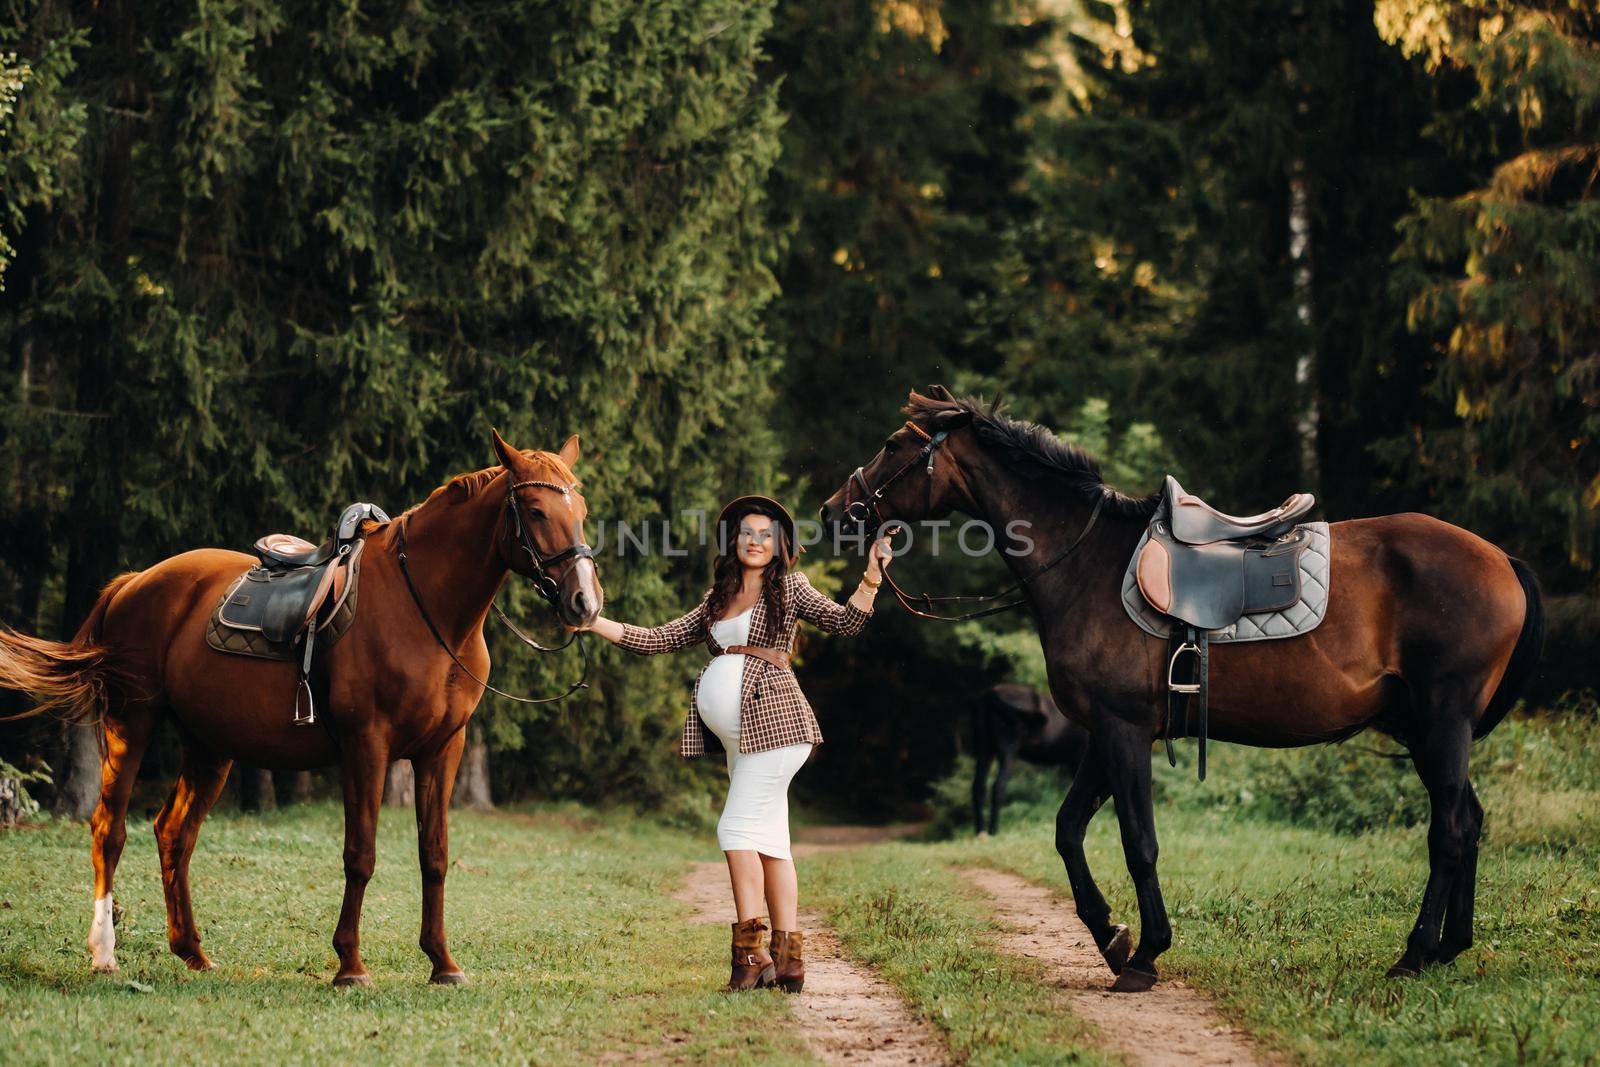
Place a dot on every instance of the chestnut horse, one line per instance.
(1430, 634)
(393, 690)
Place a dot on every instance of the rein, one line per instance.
(543, 583)
(861, 510)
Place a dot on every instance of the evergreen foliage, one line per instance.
(262, 257)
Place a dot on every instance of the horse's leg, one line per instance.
(365, 758)
(1002, 775)
(200, 782)
(1457, 936)
(435, 779)
(126, 739)
(980, 788)
(982, 754)
(1440, 756)
(1127, 749)
(1088, 791)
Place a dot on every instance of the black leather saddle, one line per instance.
(297, 590)
(1207, 569)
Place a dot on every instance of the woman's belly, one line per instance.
(717, 698)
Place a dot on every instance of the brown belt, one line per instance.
(775, 656)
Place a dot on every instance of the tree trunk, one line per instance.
(472, 780)
(256, 791)
(400, 787)
(1305, 364)
(79, 788)
(304, 788)
(10, 802)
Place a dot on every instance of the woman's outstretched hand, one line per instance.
(606, 628)
(882, 552)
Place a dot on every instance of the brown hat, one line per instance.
(755, 501)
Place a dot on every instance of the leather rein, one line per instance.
(867, 508)
(543, 583)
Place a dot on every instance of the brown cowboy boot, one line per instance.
(752, 964)
(789, 959)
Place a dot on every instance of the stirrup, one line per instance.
(1187, 688)
(310, 717)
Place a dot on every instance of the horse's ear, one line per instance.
(509, 457)
(569, 452)
(939, 392)
(951, 420)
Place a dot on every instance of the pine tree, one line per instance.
(1502, 278)
(288, 254)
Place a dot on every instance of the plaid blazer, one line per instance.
(772, 710)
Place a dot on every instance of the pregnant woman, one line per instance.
(748, 701)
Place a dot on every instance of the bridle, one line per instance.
(546, 586)
(866, 508)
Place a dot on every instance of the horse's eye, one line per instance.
(535, 514)
(889, 448)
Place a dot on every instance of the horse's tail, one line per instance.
(66, 678)
(1524, 654)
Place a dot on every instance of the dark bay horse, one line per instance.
(393, 690)
(1430, 634)
(1011, 721)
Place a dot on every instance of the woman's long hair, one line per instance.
(728, 573)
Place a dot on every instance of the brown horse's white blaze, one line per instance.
(1430, 635)
(393, 692)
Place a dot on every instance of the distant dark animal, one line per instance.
(402, 681)
(1011, 720)
(1430, 635)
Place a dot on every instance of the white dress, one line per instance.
(756, 814)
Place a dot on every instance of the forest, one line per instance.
(261, 258)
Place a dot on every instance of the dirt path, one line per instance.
(1168, 1026)
(847, 1014)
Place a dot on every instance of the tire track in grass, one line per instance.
(846, 1014)
(1168, 1026)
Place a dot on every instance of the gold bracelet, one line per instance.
(869, 583)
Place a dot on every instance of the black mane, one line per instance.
(1034, 451)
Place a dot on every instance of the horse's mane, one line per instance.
(1034, 451)
(464, 487)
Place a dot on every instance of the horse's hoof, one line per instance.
(198, 961)
(1118, 949)
(449, 978)
(1403, 970)
(1133, 980)
(346, 981)
(107, 968)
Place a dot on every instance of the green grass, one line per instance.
(575, 950)
(902, 910)
(1291, 926)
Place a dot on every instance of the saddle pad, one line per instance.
(244, 640)
(1298, 618)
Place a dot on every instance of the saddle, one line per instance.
(1207, 570)
(300, 594)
